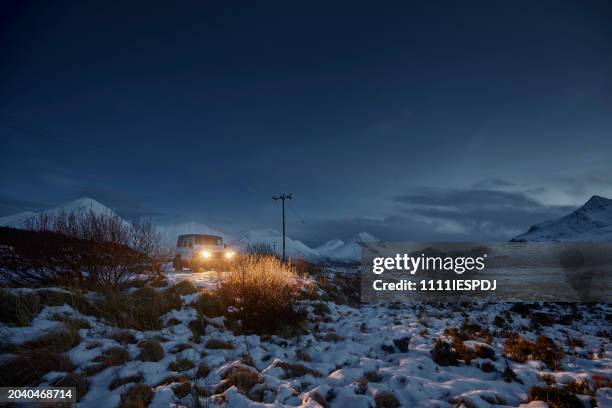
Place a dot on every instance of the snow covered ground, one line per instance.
(350, 356)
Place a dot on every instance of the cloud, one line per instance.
(479, 213)
(438, 214)
(9, 206)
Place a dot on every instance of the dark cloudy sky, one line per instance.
(414, 120)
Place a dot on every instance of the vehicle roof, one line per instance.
(199, 235)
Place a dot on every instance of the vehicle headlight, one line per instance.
(229, 254)
(206, 254)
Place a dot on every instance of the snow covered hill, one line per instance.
(82, 204)
(348, 252)
(328, 247)
(294, 249)
(590, 223)
(332, 251)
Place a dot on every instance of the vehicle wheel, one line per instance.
(178, 264)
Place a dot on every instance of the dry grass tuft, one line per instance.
(77, 381)
(443, 353)
(520, 349)
(114, 356)
(138, 396)
(242, 378)
(59, 341)
(217, 344)
(123, 337)
(260, 294)
(150, 350)
(554, 397)
(386, 399)
(119, 381)
(296, 370)
(182, 364)
(182, 288)
(27, 367)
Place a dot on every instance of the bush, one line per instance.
(150, 350)
(18, 309)
(140, 310)
(402, 344)
(296, 370)
(82, 249)
(182, 288)
(182, 364)
(373, 376)
(261, 294)
(138, 396)
(443, 353)
(58, 341)
(119, 381)
(74, 380)
(386, 399)
(27, 367)
(554, 397)
(217, 344)
(519, 349)
(242, 378)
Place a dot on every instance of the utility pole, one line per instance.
(283, 197)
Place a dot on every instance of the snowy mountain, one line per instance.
(83, 204)
(328, 247)
(590, 223)
(349, 251)
(293, 248)
(170, 233)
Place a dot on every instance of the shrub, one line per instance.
(140, 310)
(260, 250)
(119, 381)
(202, 371)
(402, 344)
(138, 396)
(198, 328)
(386, 399)
(554, 397)
(150, 350)
(182, 288)
(519, 349)
(219, 344)
(373, 376)
(74, 380)
(260, 294)
(296, 370)
(241, 378)
(81, 248)
(443, 353)
(114, 356)
(487, 367)
(509, 375)
(208, 304)
(18, 309)
(58, 342)
(123, 337)
(27, 367)
(182, 364)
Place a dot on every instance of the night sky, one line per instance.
(439, 120)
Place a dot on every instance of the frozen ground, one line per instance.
(389, 344)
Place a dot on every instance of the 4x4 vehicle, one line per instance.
(197, 250)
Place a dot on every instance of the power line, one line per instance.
(296, 214)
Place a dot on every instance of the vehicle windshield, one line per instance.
(209, 241)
